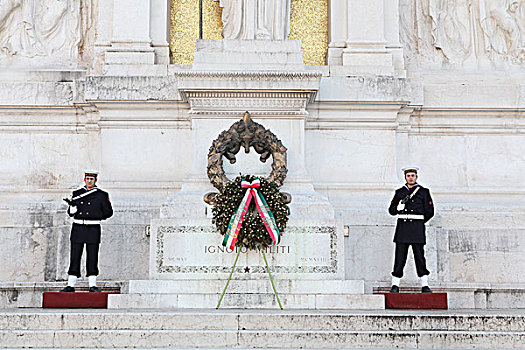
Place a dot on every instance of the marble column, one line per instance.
(366, 50)
(159, 30)
(392, 36)
(338, 31)
(104, 35)
(131, 41)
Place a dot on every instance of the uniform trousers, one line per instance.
(91, 259)
(401, 258)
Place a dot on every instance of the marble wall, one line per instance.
(452, 102)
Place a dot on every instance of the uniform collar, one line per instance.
(95, 187)
(409, 189)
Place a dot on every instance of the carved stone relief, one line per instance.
(255, 20)
(43, 31)
(504, 27)
(463, 32)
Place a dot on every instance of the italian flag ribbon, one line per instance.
(230, 238)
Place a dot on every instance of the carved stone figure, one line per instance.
(54, 25)
(17, 32)
(501, 26)
(462, 32)
(417, 22)
(255, 19)
(30, 28)
(451, 31)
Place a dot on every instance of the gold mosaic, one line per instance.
(308, 23)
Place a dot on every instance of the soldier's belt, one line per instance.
(87, 222)
(411, 217)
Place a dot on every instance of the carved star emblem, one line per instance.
(246, 269)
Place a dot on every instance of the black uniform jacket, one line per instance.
(408, 230)
(94, 206)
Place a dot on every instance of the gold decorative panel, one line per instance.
(308, 23)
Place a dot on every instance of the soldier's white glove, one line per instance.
(400, 206)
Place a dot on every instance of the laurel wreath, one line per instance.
(253, 234)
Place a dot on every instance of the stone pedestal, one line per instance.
(251, 55)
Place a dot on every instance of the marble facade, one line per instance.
(88, 84)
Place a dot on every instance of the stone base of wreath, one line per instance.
(246, 294)
(184, 244)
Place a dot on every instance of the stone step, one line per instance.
(265, 339)
(244, 286)
(236, 348)
(247, 301)
(262, 320)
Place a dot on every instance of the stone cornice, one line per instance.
(259, 103)
(252, 75)
(263, 93)
(414, 119)
(300, 81)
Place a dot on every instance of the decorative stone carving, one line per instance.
(40, 28)
(246, 133)
(503, 30)
(450, 28)
(255, 20)
(464, 31)
(316, 255)
(263, 93)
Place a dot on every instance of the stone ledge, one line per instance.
(313, 301)
(286, 286)
(41, 286)
(130, 88)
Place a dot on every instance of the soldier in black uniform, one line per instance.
(88, 206)
(413, 206)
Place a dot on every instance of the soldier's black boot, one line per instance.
(68, 289)
(394, 289)
(94, 289)
(426, 289)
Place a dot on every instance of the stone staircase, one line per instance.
(264, 329)
(245, 294)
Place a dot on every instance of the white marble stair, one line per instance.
(229, 329)
(293, 294)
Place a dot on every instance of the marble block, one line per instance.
(196, 252)
(248, 55)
